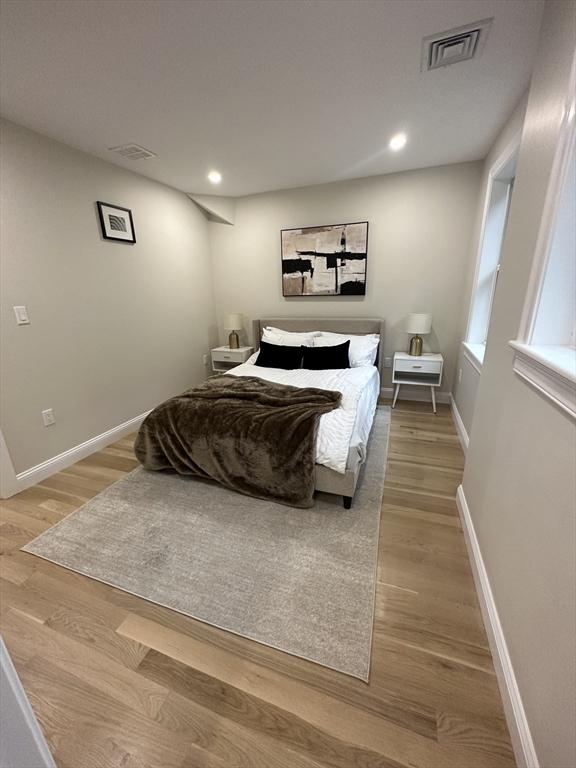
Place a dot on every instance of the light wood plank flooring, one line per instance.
(117, 682)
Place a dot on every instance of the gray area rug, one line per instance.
(299, 580)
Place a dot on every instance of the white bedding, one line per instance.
(346, 427)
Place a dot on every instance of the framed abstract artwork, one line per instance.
(116, 223)
(325, 261)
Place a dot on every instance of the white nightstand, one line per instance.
(423, 371)
(224, 358)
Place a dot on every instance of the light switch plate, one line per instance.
(21, 315)
(48, 417)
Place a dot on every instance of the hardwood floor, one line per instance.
(118, 682)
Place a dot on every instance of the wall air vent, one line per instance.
(454, 45)
(132, 151)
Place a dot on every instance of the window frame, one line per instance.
(547, 367)
(471, 351)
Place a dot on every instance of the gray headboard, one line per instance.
(348, 325)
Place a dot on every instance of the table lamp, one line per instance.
(233, 323)
(418, 324)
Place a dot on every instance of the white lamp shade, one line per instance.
(233, 322)
(419, 323)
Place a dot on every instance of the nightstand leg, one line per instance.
(433, 399)
(395, 395)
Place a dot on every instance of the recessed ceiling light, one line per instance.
(398, 141)
(214, 177)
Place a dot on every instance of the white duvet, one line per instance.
(347, 426)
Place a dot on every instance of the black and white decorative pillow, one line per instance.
(279, 356)
(326, 358)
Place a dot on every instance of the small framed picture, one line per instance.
(116, 223)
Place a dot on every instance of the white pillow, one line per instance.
(287, 338)
(363, 349)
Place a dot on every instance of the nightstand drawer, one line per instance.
(229, 356)
(418, 366)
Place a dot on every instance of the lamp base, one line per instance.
(415, 346)
(233, 340)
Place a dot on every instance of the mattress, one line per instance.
(345, 430)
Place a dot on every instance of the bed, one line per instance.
(337, 464)
(293, 420)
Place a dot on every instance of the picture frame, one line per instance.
(329, 260)
(116, 223)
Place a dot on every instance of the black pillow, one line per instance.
(278, 356)
(323, 358)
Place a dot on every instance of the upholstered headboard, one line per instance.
(348, 325)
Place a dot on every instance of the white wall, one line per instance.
(419, 240)
(520, 479)
(115, 328)
(466, 385)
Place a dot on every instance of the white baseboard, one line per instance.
(22, 743)
(63, 460)
(520, 735)
(459, 424)
(8, 482)
(417, 395)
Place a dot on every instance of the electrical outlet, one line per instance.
(387, 362)
(48, 417)
(205, 359)
(459, 375)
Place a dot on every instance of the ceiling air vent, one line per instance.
(454, 45)
(132, 151)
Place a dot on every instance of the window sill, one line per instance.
(551, 370)
(474, 353)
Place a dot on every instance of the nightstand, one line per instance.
(224, 358)
(423, 371)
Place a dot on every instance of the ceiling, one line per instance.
(273, 94)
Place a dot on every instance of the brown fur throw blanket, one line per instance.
(251, 435)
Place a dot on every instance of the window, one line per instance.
(546, 345)
(499, 194)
